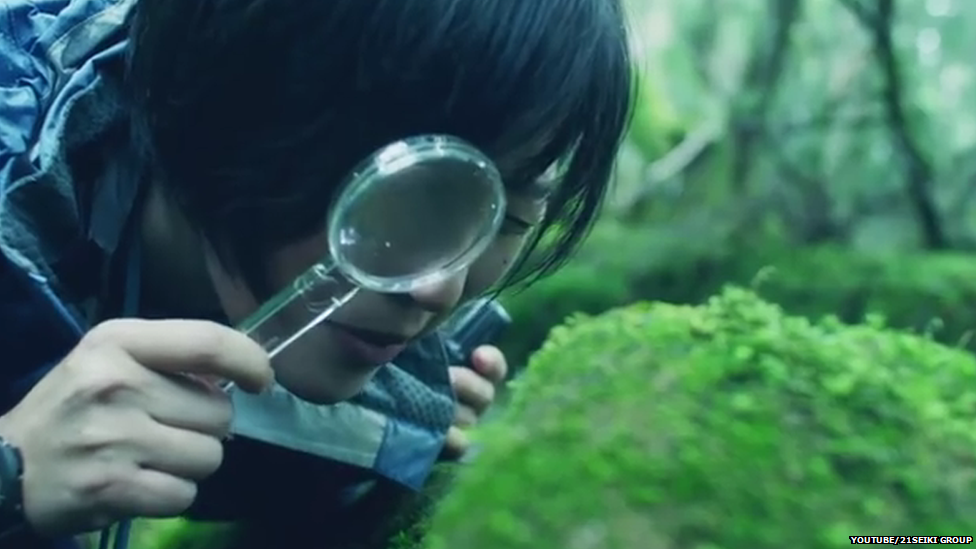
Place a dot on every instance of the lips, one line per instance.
(373, 348)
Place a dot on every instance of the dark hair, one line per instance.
(251, 111)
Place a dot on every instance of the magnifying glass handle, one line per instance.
(276, 347)
(293, 312)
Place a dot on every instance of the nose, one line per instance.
(442, 296)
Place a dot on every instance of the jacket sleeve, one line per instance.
(33, 333)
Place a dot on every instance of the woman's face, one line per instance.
(334, 361)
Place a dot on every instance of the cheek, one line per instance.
(493, 265)
(236, 300)
(285, 265)
(293, 260)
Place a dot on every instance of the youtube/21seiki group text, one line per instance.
(911, 540)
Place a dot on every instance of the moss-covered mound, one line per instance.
(729, 425)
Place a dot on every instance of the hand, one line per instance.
(116, 431)
(475, 390)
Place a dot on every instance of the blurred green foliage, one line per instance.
(724, 425)
(827, 120)
(928, 292)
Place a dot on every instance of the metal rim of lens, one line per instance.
(395, 157)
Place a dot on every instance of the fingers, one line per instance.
(187, 403)
(153, 494)
(190, 346)
(489, 361)
(475, 390)
(465, 417)
(471, 389)
(183, 454)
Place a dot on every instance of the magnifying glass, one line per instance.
(415, 213)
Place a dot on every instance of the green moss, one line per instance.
(728, 425)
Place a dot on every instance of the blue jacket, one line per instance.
(65, 201)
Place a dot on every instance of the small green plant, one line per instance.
(722, 426)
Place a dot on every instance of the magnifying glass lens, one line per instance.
(415, 213)
(417, 221)
(420, 211)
